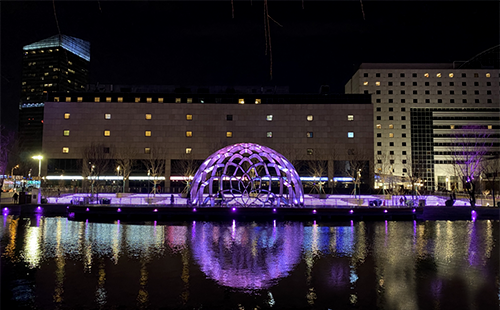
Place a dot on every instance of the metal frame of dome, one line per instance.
(248, 172)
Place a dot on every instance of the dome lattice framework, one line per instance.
(248, 175)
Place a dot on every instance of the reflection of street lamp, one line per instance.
(39, 157)
(149, 172)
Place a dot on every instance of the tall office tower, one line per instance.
(418, 108)
(59, 63)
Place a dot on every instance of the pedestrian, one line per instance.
(401, 200)
(15, 196)
(172, 199)
(58, 192)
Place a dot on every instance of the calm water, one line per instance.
(54, 263)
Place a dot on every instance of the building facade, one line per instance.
(334, 129)
(418, 106)
(55, 64)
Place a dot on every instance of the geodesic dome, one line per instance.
(247, 174)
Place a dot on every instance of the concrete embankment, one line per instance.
(130, 212)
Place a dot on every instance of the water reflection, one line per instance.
(388, 265)
(247, 256)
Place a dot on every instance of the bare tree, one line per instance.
(491, 173)
(355, 167)
(317, 168)
(155, 163)
(469, 149)
(124, 158)
(384, 169)
(187, 166)
(96, 161)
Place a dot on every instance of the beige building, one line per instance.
(325, 127)
(417, 107)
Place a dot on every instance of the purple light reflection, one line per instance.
(251, 260)
(473, 215)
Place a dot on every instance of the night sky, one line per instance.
(199, 43)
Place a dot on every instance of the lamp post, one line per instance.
(359, 183)
(39, 157)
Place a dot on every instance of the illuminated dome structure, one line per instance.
(247, 257)
(247, 174)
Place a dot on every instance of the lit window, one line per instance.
(108, 99)
(188, 150)
(56, 99)
(426, 75)
(66, 132)
(189, 133)
(68, 99)
(309, 134)
(160, 100)
(450, 75)
(147, 133)
(438, 75)
(350, 134)
(137, 99)
(350, 117)
(391, 126)
(241, 101)
(365, 83)
(229, 134)
(269, 134)
(79, 99)
(97, 99)
(107, 116)
(120, 99)
(107, 133)
(490, 126)
(269, 117)
(65, 149)
(148, 116)
(190, 100)
(379, 126)
(177, 100)
(377, 83)
(66, 115)
(452, 126)
(310, 118)
(147, 150)
(189, 117)
(488, 75)
(148, 100)
(257, 101)
(310, 151)
(391, 135)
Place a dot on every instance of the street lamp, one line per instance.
(12, 170)
(39, 157)
(149, 172)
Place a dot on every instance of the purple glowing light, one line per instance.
(413, 210)
(314, 211)
(194, 209)
(473, 215)
(5, 209)
(39, 208)
(351, 211)
(155, 210)
(234, 209)
(253, 163)
(385, 211)
(119, 210)
(87, 210)
(274, 210)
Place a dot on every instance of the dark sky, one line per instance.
(199, 43)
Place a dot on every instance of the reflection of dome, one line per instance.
(247, 174)
(247, 257)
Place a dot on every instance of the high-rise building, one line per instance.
(59, 63)
(419, 106)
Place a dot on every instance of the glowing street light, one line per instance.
(39, 157)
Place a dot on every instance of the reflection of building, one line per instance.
(416, 107)
(191, 126)
(59, 63)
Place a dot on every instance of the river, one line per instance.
(56, 263)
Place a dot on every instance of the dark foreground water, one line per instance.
(54, 263)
